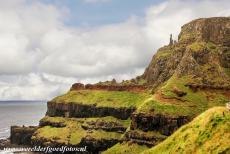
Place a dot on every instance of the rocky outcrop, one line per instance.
(143, 138)
(116, 87)
(178, 92)
(203, 48)
(4, 143)
(195, 87)
(95, 146)
(225, 57)
(166, 125)
(106, 126)
(216, 30)
(21, 135)
(43, 123)
(163, 64)
(84, 111)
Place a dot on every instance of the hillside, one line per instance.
(207, 133)
(184, 79)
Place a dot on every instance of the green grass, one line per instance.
(100, 98)
(62, 120)
(201, 46)
(192, 103)
(100, 134)
(63, 135)
(197, 46)
(126, 148)
(207, 133)
(217, 100)
(124, 123)
(72, 132)
(148, 134)
(52, 134)
(56, 120)
(164, 52)
(152, 106)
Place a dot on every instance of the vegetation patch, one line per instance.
(126, 147)
(100, 98)
(153, 106)
(125, 123)
(164, 52)
(72, 132)
(193, 103)
(207, 133)
(197, 46)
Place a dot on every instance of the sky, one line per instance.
(47, 45)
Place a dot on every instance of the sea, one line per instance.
(27, 113)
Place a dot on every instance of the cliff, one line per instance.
(202, 48)
(184, 79)
(207, 133)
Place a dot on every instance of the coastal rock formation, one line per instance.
(21, 135)
(202, 47)
(215, 30)
(144, 138)
(103, 125)
(82, 111)
(166, 125)
(184, 79)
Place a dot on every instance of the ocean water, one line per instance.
(26, 113)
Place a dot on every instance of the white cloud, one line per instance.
(40, 57)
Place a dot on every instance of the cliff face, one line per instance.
(166, 125)
(203, 48)
(85, 111)
(215, 30)
(183, 79)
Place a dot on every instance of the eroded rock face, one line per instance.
(225, 57)
(216, 30)
(84, 111)
(96, 146)
(53, 124)
(166, 125)
(79, 86)
(202, 52)
(143, 138)
(163, 64)
(21, 135)
(107, 126)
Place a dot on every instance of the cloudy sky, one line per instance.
(47, 45)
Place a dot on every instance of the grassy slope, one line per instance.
(128, 148)
(72, 132)
(192, 104)
(103, 98)
(207, 133)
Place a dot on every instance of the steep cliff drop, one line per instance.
(183, 79)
